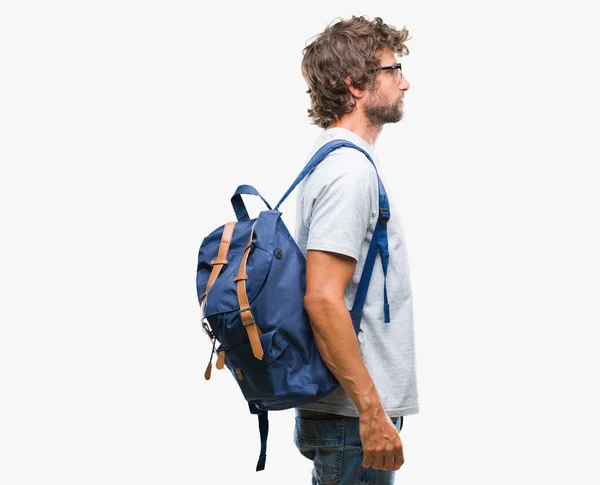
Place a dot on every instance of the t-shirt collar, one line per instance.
(339, 132)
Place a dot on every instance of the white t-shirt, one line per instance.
(337, 209)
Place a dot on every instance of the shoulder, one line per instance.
(344, 165)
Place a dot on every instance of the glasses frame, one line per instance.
(388, 68)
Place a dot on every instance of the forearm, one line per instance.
(338, 346)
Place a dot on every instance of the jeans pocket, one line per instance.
(322, 441)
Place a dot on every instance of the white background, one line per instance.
(126, 126)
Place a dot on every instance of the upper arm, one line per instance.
(327, 274)
(339, 206)
(340, 202)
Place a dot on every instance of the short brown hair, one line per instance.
(345, 48)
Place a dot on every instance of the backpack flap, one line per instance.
(222, 306)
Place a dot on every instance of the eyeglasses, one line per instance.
(389, 68)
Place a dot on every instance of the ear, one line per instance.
(357, 93)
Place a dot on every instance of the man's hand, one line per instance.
(381, 443)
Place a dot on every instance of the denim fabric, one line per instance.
(333, 444)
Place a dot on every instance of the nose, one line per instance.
(404, 84)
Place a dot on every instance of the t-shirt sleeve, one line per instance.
(341, 203)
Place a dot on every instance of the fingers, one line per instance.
(398, 455)
(390, 459)
(378, 461)
(398, 461)
(385, 461)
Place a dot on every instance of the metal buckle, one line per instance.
(207, 329)
(251, 321)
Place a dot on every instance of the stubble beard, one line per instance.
(381, 112)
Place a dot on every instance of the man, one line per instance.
(356, 86)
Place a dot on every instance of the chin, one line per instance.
(398, 117)
(400, 114)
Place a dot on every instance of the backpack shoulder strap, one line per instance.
(320, 155)
(379, 242)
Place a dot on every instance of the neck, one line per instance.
(358, 124)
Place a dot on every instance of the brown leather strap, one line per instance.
(221, 257)
(245, 310)
(208, 371)
(221, 360)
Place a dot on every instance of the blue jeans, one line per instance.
(333, 444)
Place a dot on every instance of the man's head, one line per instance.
(342, 68)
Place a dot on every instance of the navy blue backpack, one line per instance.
(251, 280)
